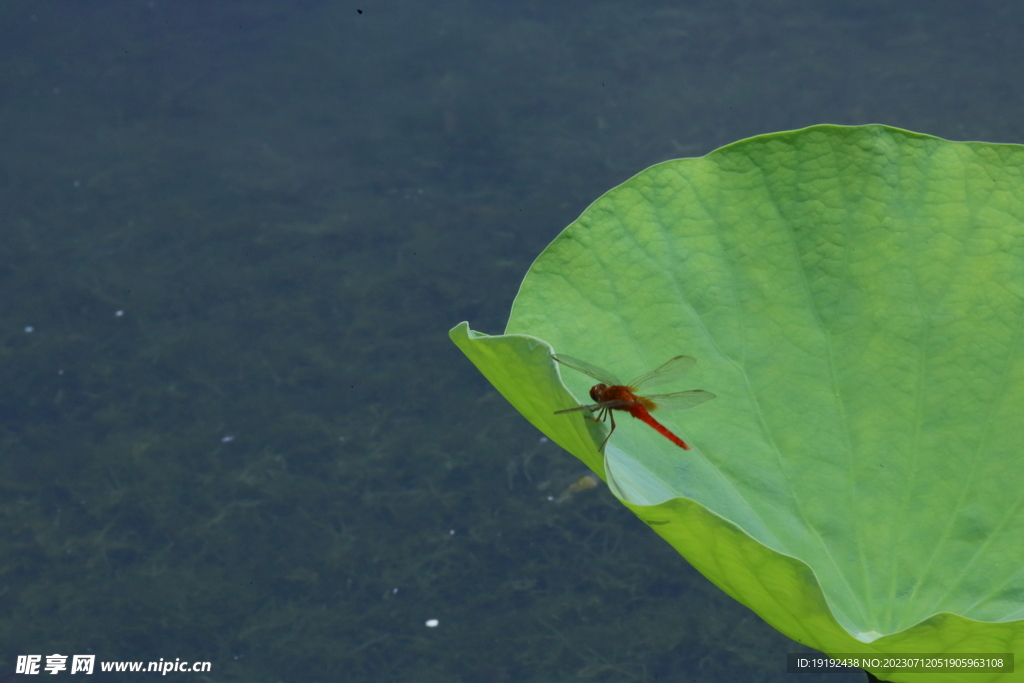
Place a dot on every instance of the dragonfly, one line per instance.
(610, 394)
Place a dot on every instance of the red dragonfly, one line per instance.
(611, 394)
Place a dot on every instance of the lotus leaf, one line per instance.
(855, 299)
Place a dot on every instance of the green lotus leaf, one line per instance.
(855, 299)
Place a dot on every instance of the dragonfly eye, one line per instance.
(596, 391)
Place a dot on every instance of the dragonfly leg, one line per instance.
(611, 415)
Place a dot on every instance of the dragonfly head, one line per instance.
(597, 391)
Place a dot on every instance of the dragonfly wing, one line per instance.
(587, 369)
(681, 400)
(617, 403)
(573, 410)
(665, 373)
